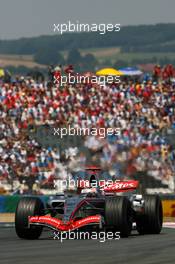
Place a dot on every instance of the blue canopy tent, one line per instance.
(131, 71)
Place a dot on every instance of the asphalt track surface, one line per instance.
(133, 250)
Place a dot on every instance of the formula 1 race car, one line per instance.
(114, 206)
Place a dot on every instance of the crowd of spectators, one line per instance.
(144, 111)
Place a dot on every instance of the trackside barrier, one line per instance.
(2, 204)
(8, 203)
(169, 208)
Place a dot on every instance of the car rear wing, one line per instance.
(121, 186)
(109, 186)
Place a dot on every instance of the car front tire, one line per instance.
(28, 206)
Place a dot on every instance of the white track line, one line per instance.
(169, 224)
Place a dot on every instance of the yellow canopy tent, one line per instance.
(2, 73)
(109, 71)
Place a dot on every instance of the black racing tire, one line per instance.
(151, 220)
(118, 215)
(28, 206)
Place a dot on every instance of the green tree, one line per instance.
(48, 56)
(74, 57)
(120, 64)
(89, 62)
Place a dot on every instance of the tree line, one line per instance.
(146, 38)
